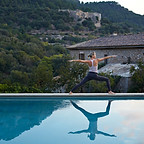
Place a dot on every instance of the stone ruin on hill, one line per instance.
(80, 16)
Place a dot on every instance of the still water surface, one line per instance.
(71, 122)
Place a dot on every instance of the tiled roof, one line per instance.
(112, 41)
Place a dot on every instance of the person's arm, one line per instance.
(81, 61)
(106, 134)
(78, 132)
(101, 59)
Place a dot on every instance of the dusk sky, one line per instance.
(134, 5)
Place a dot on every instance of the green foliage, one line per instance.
(42, 14)
(89, 23)
(73, 39)
(37, 14)
(19, 77)
(100, 65)
(117, 14)
(43, 76)
(137, 78)
(54, 50)
(78, 27)
(110, 28)
(28, 65)
(3, 88)
(17, 88)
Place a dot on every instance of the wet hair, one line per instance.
(91, 54)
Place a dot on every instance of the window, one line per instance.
(105, 61)
(82, 56)
(128, 60)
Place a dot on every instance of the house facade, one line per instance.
(128, 48)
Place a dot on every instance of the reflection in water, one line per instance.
(19, 116)
(93, 119)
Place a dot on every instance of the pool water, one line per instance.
(62, 121)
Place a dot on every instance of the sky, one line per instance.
(137, 6)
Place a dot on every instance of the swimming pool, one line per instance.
(71, 121)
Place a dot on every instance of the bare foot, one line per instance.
(70, 93)
(110, 92)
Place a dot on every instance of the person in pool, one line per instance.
(93, 119)
(93, 71)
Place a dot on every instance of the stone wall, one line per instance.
(126, 55)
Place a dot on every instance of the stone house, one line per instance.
(129, 48)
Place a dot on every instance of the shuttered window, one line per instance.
(82, 56)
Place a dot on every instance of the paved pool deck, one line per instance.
(73, 96)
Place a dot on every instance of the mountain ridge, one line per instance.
(11, 10)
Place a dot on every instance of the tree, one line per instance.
(19, 77)
(43, 76)
(89, 23)
(137, 78)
